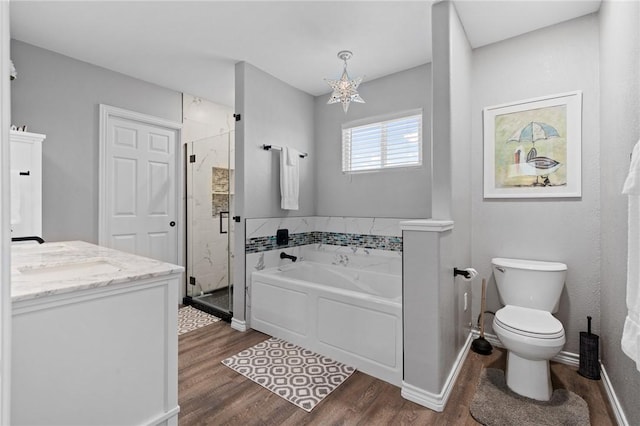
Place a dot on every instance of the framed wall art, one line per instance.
(532, 148)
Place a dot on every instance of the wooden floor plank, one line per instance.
(210, 393)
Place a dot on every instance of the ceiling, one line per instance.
(192, 46)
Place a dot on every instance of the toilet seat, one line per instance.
(529, 322)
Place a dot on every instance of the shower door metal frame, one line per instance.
(190, 299)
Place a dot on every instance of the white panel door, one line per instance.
(139, 188)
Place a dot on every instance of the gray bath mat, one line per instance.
(298, 375)
(494, 404)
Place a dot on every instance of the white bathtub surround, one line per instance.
(350, 315)
(351, 236)
(365, 259)
(259, 262)
(435, 345)
(631, 332)
(93, 329)
(289, 177)
(355, 257)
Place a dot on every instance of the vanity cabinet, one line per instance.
(94, 337)
(26, 184)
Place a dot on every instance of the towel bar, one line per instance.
(279, 148)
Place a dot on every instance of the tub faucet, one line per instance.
(284, 255)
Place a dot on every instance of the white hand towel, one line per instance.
(632, 183)
(631, 333)
(289, 178)
(293, 156)
(16, 208)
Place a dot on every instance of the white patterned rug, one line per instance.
(190, 318)
(298, 375)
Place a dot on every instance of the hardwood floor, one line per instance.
(212, 394)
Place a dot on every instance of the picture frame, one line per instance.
(533, 148)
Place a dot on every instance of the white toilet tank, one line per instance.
(529, 283)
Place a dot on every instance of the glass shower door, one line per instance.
(210, 182)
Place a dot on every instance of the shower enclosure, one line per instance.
(210, 202)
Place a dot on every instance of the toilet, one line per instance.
(530, 291)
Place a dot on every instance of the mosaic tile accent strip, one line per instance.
(190, 318)
(258, 244)
(298, 375)
(378, 242)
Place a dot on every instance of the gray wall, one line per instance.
(404, 193)
(273, 113)
(460, 119)
(60, 96)
(557, 59)
(429, 331)
(431, 295)
(620, 129)
(451, 172)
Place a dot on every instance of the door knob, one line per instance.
(172, 223)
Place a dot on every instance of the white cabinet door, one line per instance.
(26, 184)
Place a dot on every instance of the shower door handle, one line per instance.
(221, 231)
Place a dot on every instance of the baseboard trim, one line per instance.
(613, 398)
(437, 402)
(238, 325)
(568, 358)
(573, 359)
(170, 417)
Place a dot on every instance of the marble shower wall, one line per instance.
(209, 180)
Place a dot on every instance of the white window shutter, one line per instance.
(383, 144)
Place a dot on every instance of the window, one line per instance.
(393, 142)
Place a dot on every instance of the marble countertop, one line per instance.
(40, 270)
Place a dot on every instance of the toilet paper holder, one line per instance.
(462, 272)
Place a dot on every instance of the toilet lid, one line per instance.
(530, 322)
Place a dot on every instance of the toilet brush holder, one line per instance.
(589, 348)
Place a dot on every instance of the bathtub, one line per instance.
(350, 315)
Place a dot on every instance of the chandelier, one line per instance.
(345, 89)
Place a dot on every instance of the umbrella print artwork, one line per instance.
(539, 151)
(532, 147)
(534, 131)
(538, 166)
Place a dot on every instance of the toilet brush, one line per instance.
(480, 345)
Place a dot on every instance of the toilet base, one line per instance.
(529, 378)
